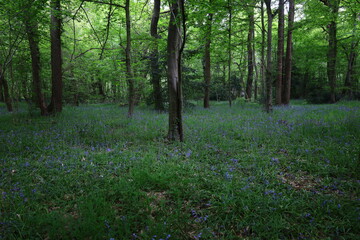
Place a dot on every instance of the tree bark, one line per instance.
(154, 58)
(129, 72)
(207, 61)
(332, 48)
(280, 54)
(2, 98)
(351, 57)
(288, 58)
(262, 64)
(174, 73)
(350, 73)
(5, 87)
(229, 53)
(56, 58)
(268, 101)
(33, 38)
(250, 51)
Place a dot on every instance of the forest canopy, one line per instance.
(87, 51)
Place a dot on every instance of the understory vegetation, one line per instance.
(92, 173)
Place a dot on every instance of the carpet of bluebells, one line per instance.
(92, 173)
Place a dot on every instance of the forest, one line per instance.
(179, 119)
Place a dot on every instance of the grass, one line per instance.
(92, 173)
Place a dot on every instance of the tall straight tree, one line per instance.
(250, 52)
(129, 72)
(288, 58)
(175, 46)
(32, 32)
(207, 59)
(332, 48)
(270, 15)
(229, 51)
(280, 54)
(56, 58)
(262, 61)
(154, 58)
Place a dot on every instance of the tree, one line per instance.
(288, 58)
(5, 88)
(262, 60)
(332, 48)
(154, 58)
(230, 12)
(280, 53)
(129, 72)
(270, 15)
(175, 46)
(56, 58)
(207, 60)
(250, 52)
(32, 31)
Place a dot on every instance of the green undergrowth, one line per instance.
(92, 173)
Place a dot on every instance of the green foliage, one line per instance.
(241, 173)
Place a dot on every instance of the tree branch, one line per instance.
(111, 4)
(96, 35)
(83, 53)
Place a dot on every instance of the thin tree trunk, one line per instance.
(280, 54)
(288, 58)
(351, 57)
(154, 58)
(350, 70)
(33, 38)
(331, 64)
(103, 46)
(207, 61)
(174, 73)
(56, 58)
(262, 61)
(129, 72)
(5, 88)
(268, 101)
(229, 53)
(2, 99)
(250, 77)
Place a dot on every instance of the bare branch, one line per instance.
(111, 4)
(97, 37)
(91, 49)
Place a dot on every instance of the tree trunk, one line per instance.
(351, 57)
(288, 58)
(207, 61)
(262, 64)
(280, 54)
(331, 64)
(350, 73)
(56, 58)
(250, 77)
(268, 101)
(129, 73)
(229, 53)
(33, 38)
(5, 88)
(332, 48)
(2, 98)
(154, 58)
(174, 73)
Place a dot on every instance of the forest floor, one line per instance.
(92, 173)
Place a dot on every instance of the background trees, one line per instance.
(104, 51)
